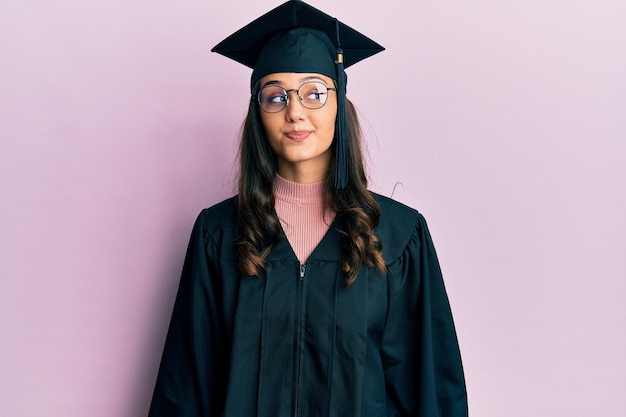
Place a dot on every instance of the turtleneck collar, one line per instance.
(293, 192)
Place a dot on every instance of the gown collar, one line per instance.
(329, 248)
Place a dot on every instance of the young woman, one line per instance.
(306, 294)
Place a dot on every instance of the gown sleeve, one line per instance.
(423, 370)
(192, 374)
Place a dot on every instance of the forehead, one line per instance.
(294, 79)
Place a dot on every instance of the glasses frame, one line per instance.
(257, 96)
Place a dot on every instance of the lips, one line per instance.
(298, 135)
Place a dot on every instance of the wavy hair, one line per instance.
(259, 229)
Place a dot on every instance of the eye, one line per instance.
(276, 98)
(314, 96)
(273, 96)
(313, 92)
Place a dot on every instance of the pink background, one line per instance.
(504, 122)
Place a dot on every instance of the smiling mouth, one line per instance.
(298, 135)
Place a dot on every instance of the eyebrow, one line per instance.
(302, 80)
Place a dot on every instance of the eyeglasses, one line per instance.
(312, 94)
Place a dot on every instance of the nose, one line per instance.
(295, 109)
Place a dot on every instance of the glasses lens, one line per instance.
(313, 95)
(272, 98)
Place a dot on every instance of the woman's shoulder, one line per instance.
(393, 207)
(219, 218)
(225, 207)
(398, 226)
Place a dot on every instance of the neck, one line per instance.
(303, 172)
(298, 193)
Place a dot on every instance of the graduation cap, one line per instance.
(296, 37)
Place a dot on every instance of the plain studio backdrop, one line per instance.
(502, 122)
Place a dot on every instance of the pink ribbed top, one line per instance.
(300, 211)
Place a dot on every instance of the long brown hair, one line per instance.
(259, 229)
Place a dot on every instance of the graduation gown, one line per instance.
(296, 342)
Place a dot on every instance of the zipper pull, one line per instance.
(302, 271)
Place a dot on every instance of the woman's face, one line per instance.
(301, 138)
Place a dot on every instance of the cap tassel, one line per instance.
(341, 139)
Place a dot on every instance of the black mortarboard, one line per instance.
(296, 37)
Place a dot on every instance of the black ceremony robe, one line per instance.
(296, 342)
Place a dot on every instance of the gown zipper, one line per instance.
(299, 343)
